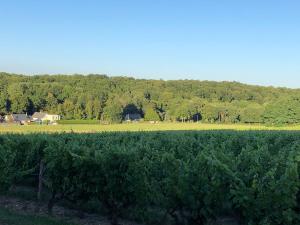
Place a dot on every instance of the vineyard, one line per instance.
(174, 177)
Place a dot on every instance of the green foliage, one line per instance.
(113, 113)
(150, 114)
(203, 190)
(3, 104)
(121, 180)
(177, 177)
(283, 111)
(266, 192)
(210, 113)
(7, 170)
(252, 113)
(98, 97)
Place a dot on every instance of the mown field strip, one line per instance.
(93, 128)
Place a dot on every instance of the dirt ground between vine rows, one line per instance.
(29, 207)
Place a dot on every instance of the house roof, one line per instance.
(39, 115)
(19, 117)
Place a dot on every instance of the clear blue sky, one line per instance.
(251, 41)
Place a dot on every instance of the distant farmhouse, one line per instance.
(17, 118)
(133, 117)
(42, 117)
(38, 117)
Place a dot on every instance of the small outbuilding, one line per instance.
(17, 118)
(133, 117)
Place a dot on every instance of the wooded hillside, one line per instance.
(112, 98)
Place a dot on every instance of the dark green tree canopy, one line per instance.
(112, 98)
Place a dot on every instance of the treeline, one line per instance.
(112, 98)
(182, 178)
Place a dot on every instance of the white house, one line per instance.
(41, 117)
(52, 117)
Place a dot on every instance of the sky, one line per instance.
(249, 41)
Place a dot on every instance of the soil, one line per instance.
(28, 207)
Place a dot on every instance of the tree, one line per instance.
(112, 112)
(89, 109)
(210, 113)
(20, 102)
(252, 113)
(51, 102)
(283, 111)
(3, 104)
(68, 109)
(98, 109)
(150, 114)
(80, 97)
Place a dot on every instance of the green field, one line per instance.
(93, 128)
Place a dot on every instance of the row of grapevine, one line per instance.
(181, 177)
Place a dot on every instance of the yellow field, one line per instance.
(92, 128)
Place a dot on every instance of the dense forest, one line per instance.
(110, 99)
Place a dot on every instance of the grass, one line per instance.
(93, 128)
(79, 121)
(8, 217)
